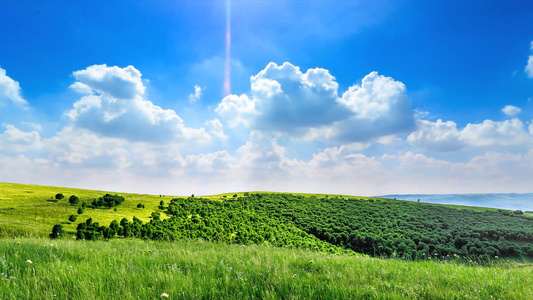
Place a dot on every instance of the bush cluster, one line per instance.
(376, 227)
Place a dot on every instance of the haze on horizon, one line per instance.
(204, 97)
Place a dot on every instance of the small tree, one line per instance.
(80, 211)
(162, 204)
(140, 205)
(235, 196)
(73, 200)
(156, 216)
(59, 196)
(72, 218)
(57, 231)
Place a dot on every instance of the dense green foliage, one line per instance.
(376, 227)
(135, 269)
(108, 200)
(59, 196)
(73, 200)
(57, 231)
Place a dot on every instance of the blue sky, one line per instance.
(357, 97)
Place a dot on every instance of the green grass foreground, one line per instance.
(133, 269)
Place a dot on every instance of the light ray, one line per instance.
(227, 71)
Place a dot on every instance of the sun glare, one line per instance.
(227, 71)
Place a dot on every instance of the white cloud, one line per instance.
(236, 109)
(285, 101)
(505, 133)
(197, 94)
(437, 136)
(15, 140)
(511, 110)
(216, 128)
(380, 107)
(81, 88)
(10, 89)
(122, 83)
(121, 111)
(529, 66)
(80, 148)
(444, 136)
(211, 163)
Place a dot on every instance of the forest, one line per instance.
(378, 227)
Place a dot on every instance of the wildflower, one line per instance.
(311, 261)
(293, 275)
(164, 295)
(28, 262)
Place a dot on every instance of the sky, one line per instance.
(205, 97)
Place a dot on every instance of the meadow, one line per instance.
(133, 269)
(192, 266)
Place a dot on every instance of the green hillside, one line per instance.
(257, 246)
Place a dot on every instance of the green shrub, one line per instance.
(80, 211)
(59, 196)
(72, 218)
(73, 200)
(57, 231)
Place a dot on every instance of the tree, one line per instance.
(57, 231)
(140, 205)
(80, 211)
(59, 196)
(162, 204)
(73, 200)
(72, 218)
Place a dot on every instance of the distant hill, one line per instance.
(512, 201)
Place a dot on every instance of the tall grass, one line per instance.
(134, 269)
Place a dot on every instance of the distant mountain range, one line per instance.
(512, 201)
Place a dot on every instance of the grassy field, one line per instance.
(133, 269)
(31, 210)
(136, 269)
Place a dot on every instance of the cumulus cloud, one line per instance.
(120, 110)
(10, 89)
(529, 66)
(283, 100)
(76, 147)
(122, 83)
(444, 136)
(197, 94)
(437, 136)
(216, 128)
(81, 88)
(15, 140)
(511, 110)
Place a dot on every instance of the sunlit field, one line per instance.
(134, 269)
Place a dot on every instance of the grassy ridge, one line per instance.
(32, 209)
(132, 269)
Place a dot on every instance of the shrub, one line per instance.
(73, 200)
(57, 231)
(80, 211)
(108, 200)
(72, 218)
(59, 196)
(140, 205)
